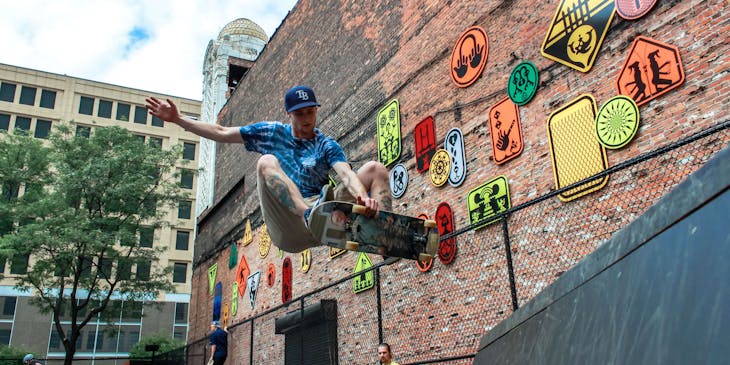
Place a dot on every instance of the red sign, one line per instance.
(286, 288)
(425, 135)
(469, 56)
(445, 220)
(652, 69)
(633, 9)
(242, 273)
(271, 275)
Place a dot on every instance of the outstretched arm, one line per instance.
(168, 112)
(355, 186)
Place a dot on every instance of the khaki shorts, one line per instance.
(287, 230)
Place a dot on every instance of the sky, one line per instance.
(153, 45)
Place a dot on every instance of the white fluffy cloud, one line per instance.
(151, 45)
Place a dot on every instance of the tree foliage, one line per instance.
(74, 208)
(162, 339)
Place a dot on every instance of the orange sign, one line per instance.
(652, 69)
(506, 131)
(633, 9)
(469, 56)
(242, 274)
(424, 266)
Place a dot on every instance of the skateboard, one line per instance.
(346, 226)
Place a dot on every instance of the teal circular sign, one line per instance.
(523, 83)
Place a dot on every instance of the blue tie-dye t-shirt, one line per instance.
(306, 161)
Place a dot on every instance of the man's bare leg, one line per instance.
(374, 176)
(281, 185)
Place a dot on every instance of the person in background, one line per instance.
(218, 344)
(384, 355)
(28, 359)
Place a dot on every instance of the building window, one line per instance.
(86, 105)
(146, 236)
(123, 112)
(5, 122)
(128, 336)
(105, 109)
(188, 151)
(124, 269)
(8, 304)
(179, 272)
(132, 311)
(157, 122)
(181, 313)
(7, 92)
(143, 271)
(105, 268)
(82, 131)
(186, 179)
(155, 142)
(48, 99)
(19, 265)
(5, 331)
(182, 240)
(27, 95)
(140, 114)
(184, 208)
(42, 128)
(22, 123)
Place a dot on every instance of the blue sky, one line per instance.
(155, 45)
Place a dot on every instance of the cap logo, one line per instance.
(303, 95)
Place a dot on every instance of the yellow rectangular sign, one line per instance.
(389, 140)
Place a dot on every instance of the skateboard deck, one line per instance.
(345, 225)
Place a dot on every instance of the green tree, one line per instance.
(70, 217)
(11, 355)
(164, 340)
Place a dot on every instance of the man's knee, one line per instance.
(375, 169)
(266, 163)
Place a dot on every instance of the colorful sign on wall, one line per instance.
(389, 140)
(264, 241)
(424, 135)
(271, 275)
(242, 272)
(574, 147)
(523, 83)
(652, 69)
(234, 298)
(469, 56)
(225, 316)
(440, 167)
(424, 266)
(365, 280)
(633, 9)
(334, 252)
(488, 200)
(217, 301)
(253, 287)
(445, 219)
(577, 32)
(305, 260)
(617, 122)
(398, 180)
(233, 256)
(247, 234)
(506, 131)
(286, 280)
(454, 145)
(212, 273)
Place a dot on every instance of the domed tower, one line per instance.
(227, 60)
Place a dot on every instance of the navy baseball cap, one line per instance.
(299, 97)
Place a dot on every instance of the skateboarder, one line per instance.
(292, 173)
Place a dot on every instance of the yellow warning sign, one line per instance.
(389, 141)
(305, 260)
(577, 31)
(440, 167)
(334, 252)
(247, 234)
(212, 272)
(574, 147)
(264, 241)
(234, 299)
(487, 200)
(225, 316)
(365, 280)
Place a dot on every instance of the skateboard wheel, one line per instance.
(424, 257)
(351, 245)
(358, 209)
(433, 243)
(430, 223)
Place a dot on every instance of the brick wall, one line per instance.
(357, 56)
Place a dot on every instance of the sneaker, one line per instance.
(325, 195)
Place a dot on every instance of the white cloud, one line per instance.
(93, 39)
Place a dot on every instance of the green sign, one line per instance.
(212, 272)
(389, 141)
(366, 280)
(488, 200)
(523, 83)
